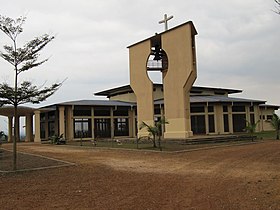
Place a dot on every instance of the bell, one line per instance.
(157, 53)
(157, 56)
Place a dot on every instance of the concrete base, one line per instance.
(178, 135)
(178, 128)
(142, 134)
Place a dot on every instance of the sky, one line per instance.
(237, 43)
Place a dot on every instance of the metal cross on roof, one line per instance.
(165, 21)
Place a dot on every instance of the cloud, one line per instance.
(237, 44)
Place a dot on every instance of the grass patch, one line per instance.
(166, 145)
(266, 135)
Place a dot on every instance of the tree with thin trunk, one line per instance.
(22, 59)
(275, 122)
(155, 130)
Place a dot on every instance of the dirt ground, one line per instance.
(237, 177)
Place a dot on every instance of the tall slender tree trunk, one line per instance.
(16, 122)
(16, 134)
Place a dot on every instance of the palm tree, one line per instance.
(155, 131)
(275, 122)
(251, 128)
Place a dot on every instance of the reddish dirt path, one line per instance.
(239, 177)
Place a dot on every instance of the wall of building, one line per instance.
(206, 119)
(265, 118)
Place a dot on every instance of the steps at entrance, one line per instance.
(213, 139)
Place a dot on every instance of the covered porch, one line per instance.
(23, 111)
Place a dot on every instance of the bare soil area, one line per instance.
(237, 177)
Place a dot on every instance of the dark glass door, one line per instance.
(198, 124)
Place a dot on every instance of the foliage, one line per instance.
(155, 130)
(57, 139)
(251, 128)
(3, 136)
(277, 6)
(275, 122)
(26, 93)
(22, 59)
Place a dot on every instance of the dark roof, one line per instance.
(152, 37)
(127, 89)
(193, 99)
(96, 103)
(217, 99)
(269, 106)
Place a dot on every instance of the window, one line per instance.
(82, 112)
(269, 117)
(225, 108)
(211, 121)
(198, 124)
(251, 108)
(42, 117)
(82, 128)
(210, 108)
(239, 122)
(102, 111)
(197, 109)
(121, 127)
(252, 118)
(226, 124)
(238, 109)
(51, 115)
(42, 130)
(157, 110)
(102, 128)
(51, 126)
(121, 112)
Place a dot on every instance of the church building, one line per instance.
(190, 110)
(213, 112)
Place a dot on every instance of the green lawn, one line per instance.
(266, 135)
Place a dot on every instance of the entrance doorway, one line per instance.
(198, 124)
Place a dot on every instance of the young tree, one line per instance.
(155, 131)
(22, 59)
(251, 128)
(275, 122)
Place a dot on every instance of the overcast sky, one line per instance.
(237, 43)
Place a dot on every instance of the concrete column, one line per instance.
(69, 132)
(130, 123)
(61, 120)
(179, 45)
(92, 123)
(112, 123)
(257, 117)
(37, 137)
(230, 119)
(247, 110)
(141, 84)
(29, 127)
(206, 119)
(10, 129)
(219, 119)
